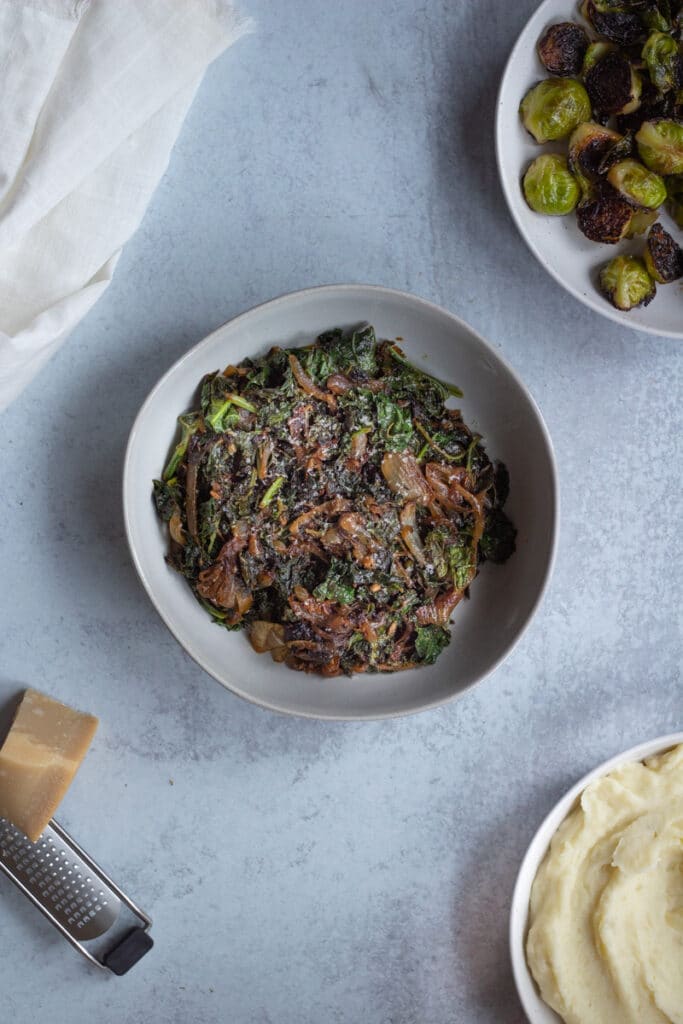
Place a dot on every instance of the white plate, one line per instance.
(496, 404)
(536, 1010)
(556, 242)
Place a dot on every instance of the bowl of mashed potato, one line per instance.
(596, 927)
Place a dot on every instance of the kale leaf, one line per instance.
(498, 541)
(338, 584)
(395, 423)
(430, 642)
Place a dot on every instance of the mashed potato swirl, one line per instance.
(605, 943)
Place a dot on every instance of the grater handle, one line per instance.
(126, 954)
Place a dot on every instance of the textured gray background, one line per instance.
(298, 872)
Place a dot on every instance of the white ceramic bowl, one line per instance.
(556, 242)
(536, 1010)
(496, 404)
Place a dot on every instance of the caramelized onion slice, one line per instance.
(403, 475)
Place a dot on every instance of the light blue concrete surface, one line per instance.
(299, 872)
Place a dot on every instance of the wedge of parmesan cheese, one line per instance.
(39, 758)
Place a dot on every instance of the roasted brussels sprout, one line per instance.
(624, 148)
(660, 145)
(595, 52)
(550, 187)
(613, 84)
(618, 24)
(553, 108)
(626, 283)
(589, 145)
(640, 222)
(663, 256)
(604, 215)
(635, 183)
(562, 49)
(653, 104)
(664, 63)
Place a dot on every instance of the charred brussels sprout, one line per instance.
(626, 283)
(595, 52)
(635, 183)
(553, 108)
(640, 222)
(589, 145)
(663, 59)
(562, 49)
(550, 187)
(621, 24)
(663, 256)
(604, 216)
(613, 85)
(653, 104)
(660, 145)
(622, 149)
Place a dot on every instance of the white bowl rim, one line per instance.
(377, 290)
(602, 308)
(519, 908)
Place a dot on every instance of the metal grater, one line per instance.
(78, 898)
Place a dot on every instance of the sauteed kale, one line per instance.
(328, 501)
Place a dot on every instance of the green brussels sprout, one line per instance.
(553, 108)
(589, 145)
(641, 220)
(663, 256)
(663, 59)
(635, 183)
(594, 53)
(626, 283)
(603, 215)
(613, 85)
(550, 187)
(660, 145)
(562, 48)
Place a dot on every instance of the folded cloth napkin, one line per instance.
(93, 97)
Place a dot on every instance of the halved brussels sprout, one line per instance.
(604, 216)
(660, 145)
(613, 85)
(626, 283)
(663, 256)
(635, 183)
(663, 59)
(616, 22)
(562, 48)
(589, 145)
(553, 108)
(653, 104)
(550, 187)
(621, 150)
(595, 52)
(640, 222)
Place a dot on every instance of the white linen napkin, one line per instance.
(93, 97)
